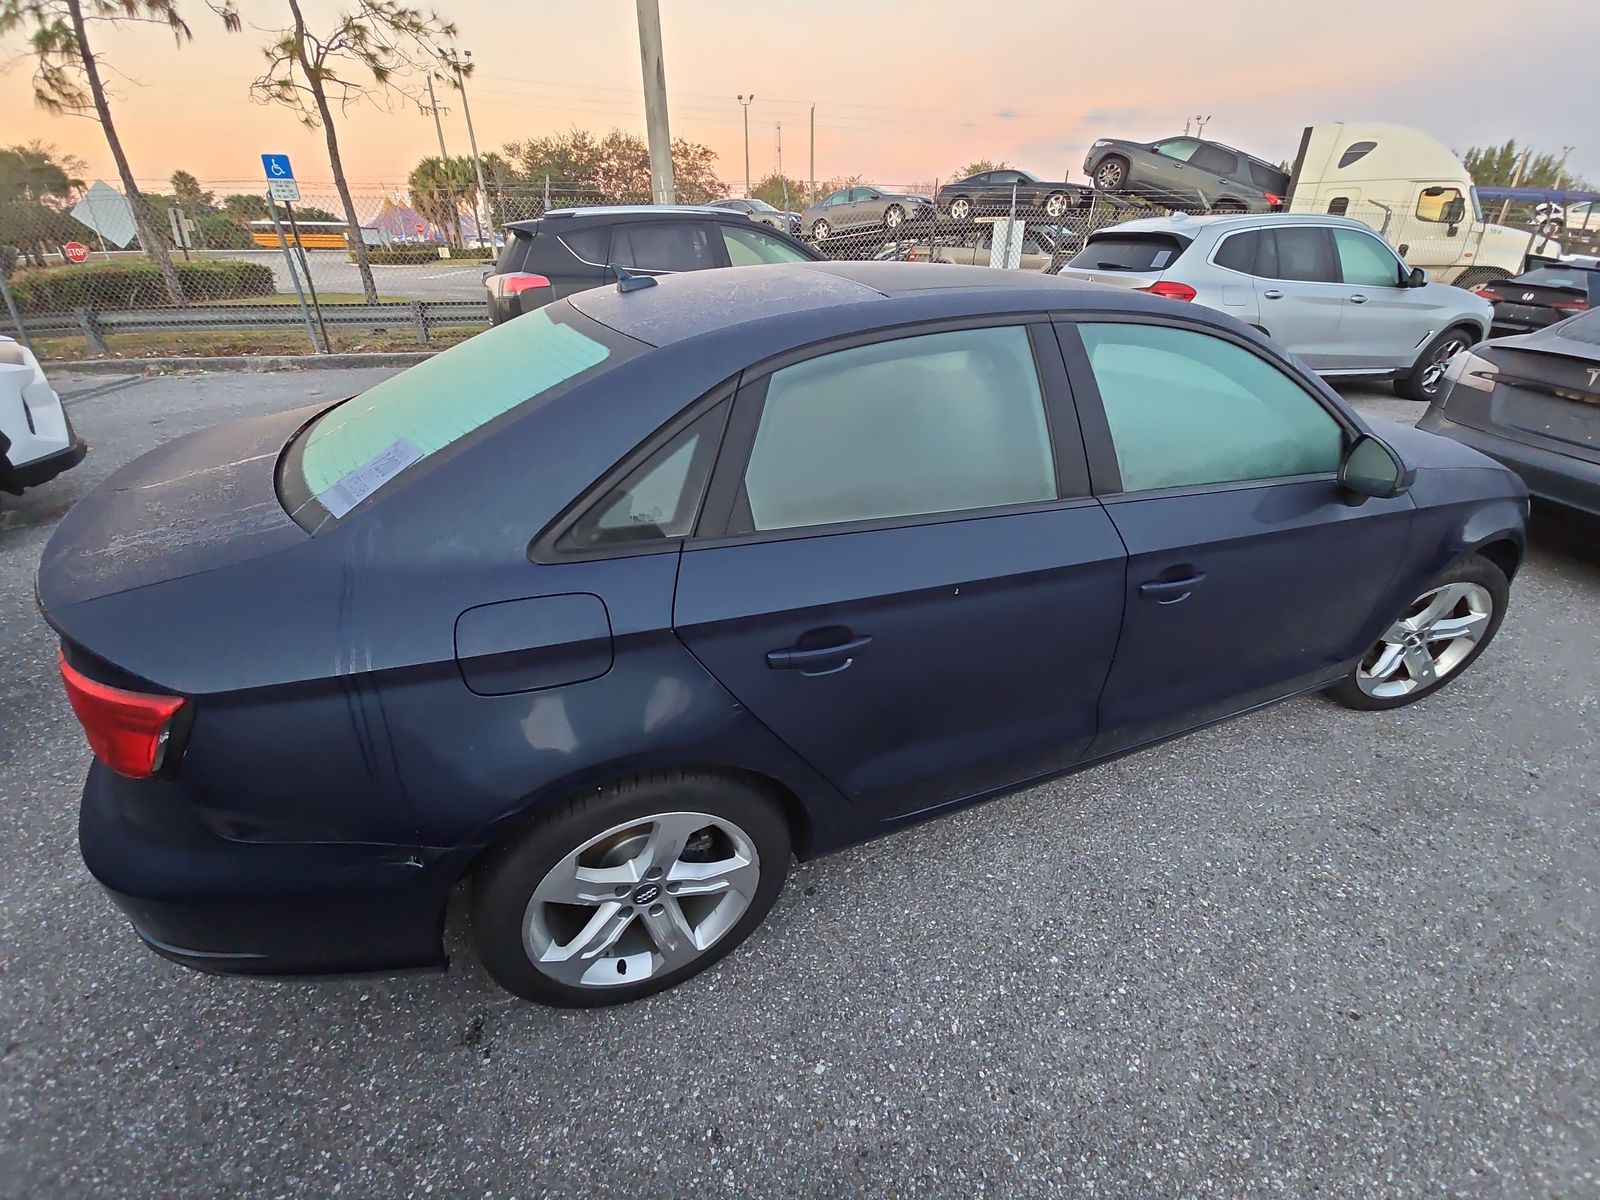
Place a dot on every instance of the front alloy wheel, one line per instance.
(1055, 205)
(960, 208)
(1437, 635)
(893, 217)
(1433, 370)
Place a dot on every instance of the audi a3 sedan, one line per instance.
(613, 609)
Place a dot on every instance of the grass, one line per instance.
(202, 343)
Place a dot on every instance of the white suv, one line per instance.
(1327, 288)
(37, 441)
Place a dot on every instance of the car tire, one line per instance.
(893, 218)
(820, 230)
(1473, 589)
(1426, 376)
(1056, 205)
(1111, 173)
(961, 209)
(644, 940)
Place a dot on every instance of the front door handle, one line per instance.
(1171, 591)
(821, 660)
(1272, 294)
(1358, 298)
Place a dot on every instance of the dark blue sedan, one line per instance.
(610, 611)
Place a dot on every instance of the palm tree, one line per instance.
(437, 187)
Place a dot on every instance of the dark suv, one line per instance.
(573, 249)
(1187, 173)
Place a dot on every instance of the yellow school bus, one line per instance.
(314, 235)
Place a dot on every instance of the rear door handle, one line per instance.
(823, 660)
(1272, 294)
(1171, 591)
(1358, 299)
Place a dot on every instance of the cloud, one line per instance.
(1115, 116)
(1007, 114)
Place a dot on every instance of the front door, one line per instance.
(909, 592)
(1299, 293)
(1249, 576)
(1383, 324)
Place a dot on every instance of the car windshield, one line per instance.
(760, 205)
(351, 451)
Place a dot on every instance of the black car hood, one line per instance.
(1550, 340)
(197, 503)
(1429, 451)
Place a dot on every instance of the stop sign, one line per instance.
(76, 252)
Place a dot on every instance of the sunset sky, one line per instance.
(905, 92)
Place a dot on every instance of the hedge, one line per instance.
(138, 284)
(400, 256)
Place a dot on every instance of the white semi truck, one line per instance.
(1413, 191)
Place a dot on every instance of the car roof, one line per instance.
(1193, 227)
(851, 296)
(602, 212)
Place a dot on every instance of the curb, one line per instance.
(242, 362)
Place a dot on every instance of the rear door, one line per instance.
(1218, 163)
(1249, 575)
(1302, 298)
(665, 247)
(907, 581)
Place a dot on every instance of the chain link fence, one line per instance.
(250, 277)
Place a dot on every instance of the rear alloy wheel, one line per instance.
(1426, 376)
(632, 891)
(1056, 204)
(1111, 174)
(893, 217)
(1435, 639)
(961, 209)
(820, 230)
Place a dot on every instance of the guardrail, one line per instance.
(94, 324)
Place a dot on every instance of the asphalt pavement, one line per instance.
(1310, 952)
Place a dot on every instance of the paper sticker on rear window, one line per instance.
(370, 476)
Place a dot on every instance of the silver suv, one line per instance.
(1328, 288)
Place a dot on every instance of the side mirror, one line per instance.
(1404, 248)
(1370, 468)
(1415, 278)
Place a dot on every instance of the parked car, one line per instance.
(1042, 248)
(761, 211)
(1576, 224)
(1327, 288)
(1532, 401)
(1540, 297)
(859, 208)
(1187, 171)
(37, 441)
(610, 610)
(992, 192)
(570, 250)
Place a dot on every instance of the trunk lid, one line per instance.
(199, 502)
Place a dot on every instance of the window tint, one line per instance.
(1338, 206)
(1178, 148)
(1303, 254)
(1574, 278)
(1268, 178)
(515, 252)
(1130, 252)
(836, 198)
(591, 245)
(748, 247)
(931, 424)
(665, 246)
(1186, 408)
(1436, 203)
(1238, 252)
(660, 497)
(1582, 329)
(354, 449)
(1363, 259)
(1355, 152)
(1214, 158)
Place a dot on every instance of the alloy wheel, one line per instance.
(961, 209)
(641, 899)
(820, 231)
(1439, 632)
(1439, 360)
(1109, 175)
(893, 216)
(1055, 205)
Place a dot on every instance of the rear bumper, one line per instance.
(1555, 478)
(255, 908)
(41, 470)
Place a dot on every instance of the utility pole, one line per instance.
(812, 198)
(1516, 180)
(438, 125)
(744, 102)
(781, 177)
(663, 190)
(472, 139)
(1561, 167)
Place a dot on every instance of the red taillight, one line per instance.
(518, 282)
(1570, 306)
(1274, 201)
(128, 731)
(1489, 294)
(1171, 289)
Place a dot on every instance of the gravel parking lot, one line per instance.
(1310, 952)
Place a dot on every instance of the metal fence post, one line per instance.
(92, 333)
(294, 276)
(420, 319)
(16, 313)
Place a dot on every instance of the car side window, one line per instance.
(589, 245)
(1179, 148)
(1214, 158)
(748, 247)
(1338, 206)
(1302, 254)
(1238, 252)
(665, 246)
(1364, 260)
(1186, 408)
(659, 498)
(836, 198)
(935, 423)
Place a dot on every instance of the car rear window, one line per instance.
(1556, 277)
(515, 252)
(1268, 179)
(1581, 329)
(1130, 252)
(364, 444)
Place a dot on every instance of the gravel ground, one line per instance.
(1310, 952)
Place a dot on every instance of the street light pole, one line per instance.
(663, 188)
(438, 125)
(744, 102)
(472, 138)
